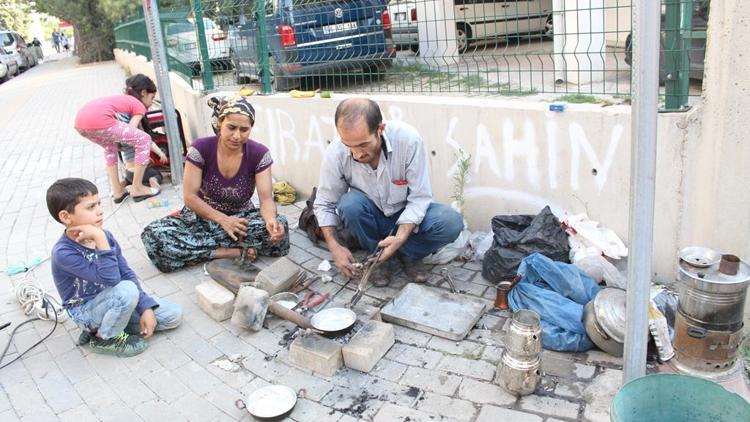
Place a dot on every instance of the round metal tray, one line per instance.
(699, 256)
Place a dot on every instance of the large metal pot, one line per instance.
(524, 335)
(518, 376)
(711, 298)
(604, 320)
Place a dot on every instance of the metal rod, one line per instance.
(206, 71)
(159, 58)
(645, 80)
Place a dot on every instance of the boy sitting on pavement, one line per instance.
(100, 291)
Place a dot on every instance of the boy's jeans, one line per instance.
(113, 310)
(441, 225)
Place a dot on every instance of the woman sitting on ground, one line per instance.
(219, 218)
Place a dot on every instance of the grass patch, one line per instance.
(579, 99)
(472, 81)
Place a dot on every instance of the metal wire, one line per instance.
(473, 47)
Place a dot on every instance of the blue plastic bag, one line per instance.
(557, 292)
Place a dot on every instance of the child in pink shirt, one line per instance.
(98, 122)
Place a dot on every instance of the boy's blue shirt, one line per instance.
(81, 273)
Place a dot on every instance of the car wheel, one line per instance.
(238, 77)
(414, 48)
(549, 29)
(7, 74)
(463, 32)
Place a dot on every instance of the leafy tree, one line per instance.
(16, 15)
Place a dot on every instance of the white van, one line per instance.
(13, 42)
(477, 20)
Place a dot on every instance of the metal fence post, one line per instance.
(159, 58)
(262, 43)
(645, 81)
(206, 71)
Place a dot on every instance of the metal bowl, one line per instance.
(333, 320)
(699, 256)
(286, 299)
(271, 402)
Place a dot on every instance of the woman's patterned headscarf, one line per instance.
(231, 104)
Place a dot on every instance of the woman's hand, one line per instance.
(235, 227)
(276, 230)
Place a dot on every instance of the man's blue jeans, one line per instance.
(441, 225)
(113, 311)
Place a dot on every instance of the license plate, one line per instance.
(189, 46)
(339, 27)
(400, 16)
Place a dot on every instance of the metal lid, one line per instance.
(609, 309)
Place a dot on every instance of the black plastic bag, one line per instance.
(518, 236)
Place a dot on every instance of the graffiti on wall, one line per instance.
(517, 153)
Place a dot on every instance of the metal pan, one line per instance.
(333, 322)
(270, 403)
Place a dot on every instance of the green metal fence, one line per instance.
(576, 48)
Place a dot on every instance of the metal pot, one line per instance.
(270, 403)
(518, 376)
(604, 320)
(524, 335)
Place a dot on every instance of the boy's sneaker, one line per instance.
(84, 338)
(121, 345)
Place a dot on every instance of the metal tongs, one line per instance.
(374, 262)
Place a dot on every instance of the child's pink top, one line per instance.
(101, 113)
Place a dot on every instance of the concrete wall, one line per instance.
(523, 156)
(617, 20)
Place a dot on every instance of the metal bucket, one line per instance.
(676, 398)
(708, 325)
(518, 376)
(524, 336)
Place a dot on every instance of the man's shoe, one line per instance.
(121, 345)
(415, 270)
(381, 275)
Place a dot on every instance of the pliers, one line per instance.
(310, 301)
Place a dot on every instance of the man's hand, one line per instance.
(276, 230)
(148, 323)
(234, 226)
(390, 245)
(344, 259)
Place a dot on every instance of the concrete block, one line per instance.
(278, 276)
(370, 344)
(215, 300)
(250, 308)
(316, 353)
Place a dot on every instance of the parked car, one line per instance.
(8, 65)
(477, 20)
(14, 42)
(697, 47)
(182, 44)
(315, 37)
(404, 19)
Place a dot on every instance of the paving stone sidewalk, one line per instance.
(422, 378)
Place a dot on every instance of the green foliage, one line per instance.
(460, 177)
(579, 99)
(16, 15)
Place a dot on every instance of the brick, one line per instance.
(79, 414)
(388, 369)
(215, 300)
(392, 413)
(484, 393)
(466, 349)
(278, 276)
(469, 367)
(414, 356)
(550, 406)
(430, 380)
(494, 414)
(368, 346)
(316, 353)
(447, 407)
